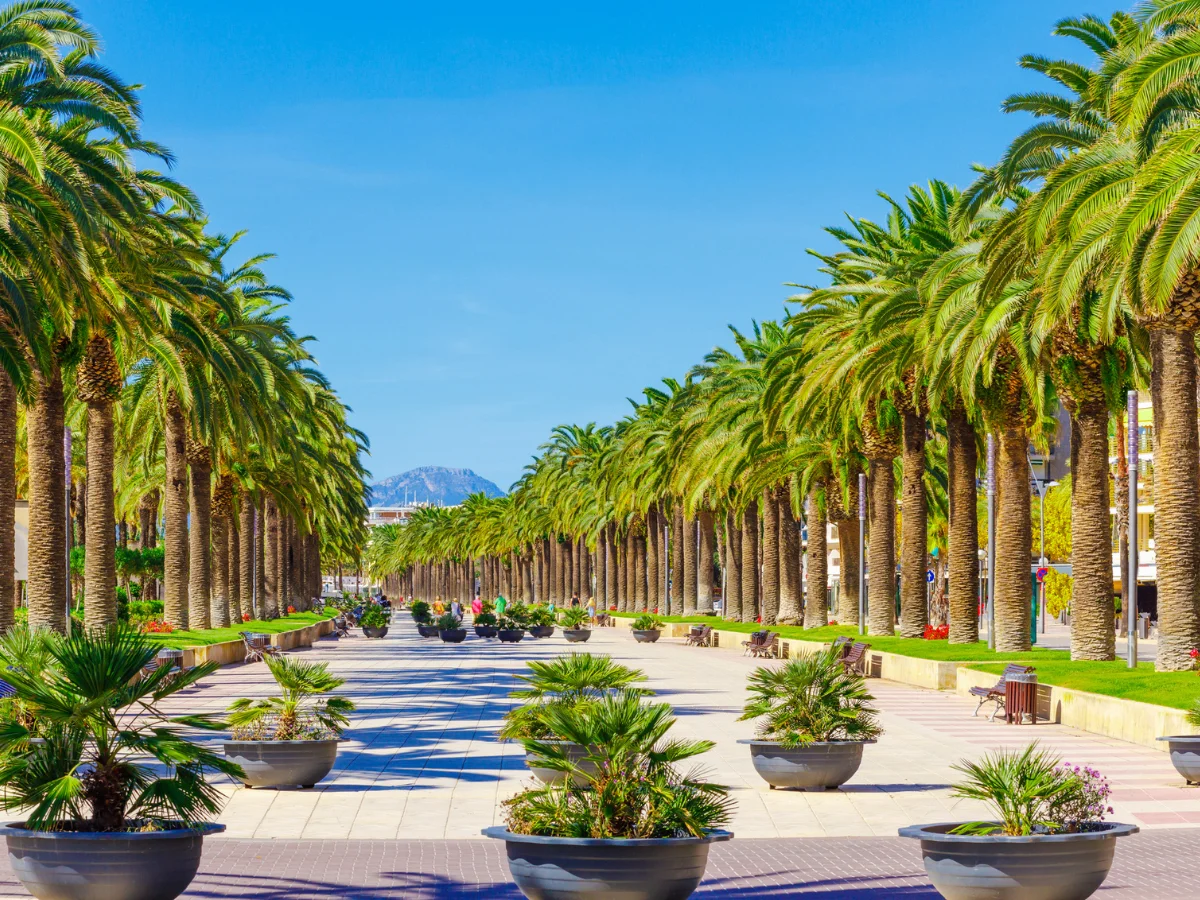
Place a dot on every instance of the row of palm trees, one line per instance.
(124, 318)
(1067, 273)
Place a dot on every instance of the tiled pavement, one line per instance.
(421, 773)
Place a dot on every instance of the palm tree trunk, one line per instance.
(246, 555)
(200, 537)
(623, 577)
(175, 515)
(750, 563)
(1176, 496)
(639, 569)
(602, 568)
(219, 612)
(914, 528)
(1014, 539)
(678, 564)
(962, 458)
(733, 567)
(269, 607)
(688, 539)
(704, 561)
(47, 584)
(148, 537)
(881, 552)
(791, 612)
(770, 558)
(99, 565)
(8, 502)
(816, 612)
(260, 552)
(653, 572)
(234, 576)
(1092, 635)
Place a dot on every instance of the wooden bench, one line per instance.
(995, 694)
(769, 648)
(701, 638)
(855, 659)
(756, 640)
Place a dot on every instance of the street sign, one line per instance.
(929, 576)
(1041, 574)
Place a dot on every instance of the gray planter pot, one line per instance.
(66, 865)
(453, 636)
(575, 753)
(541, 631)
(547, 868)
(424, 630)
(1185, 755)
(282, 763)
(997, 867)
(486, 631)
(577, 635)
(815, 767)
(649, 636)
(510, 636)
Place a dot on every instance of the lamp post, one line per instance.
(862, 553)
(1041, 489)
(991, 511)
(1131, 409)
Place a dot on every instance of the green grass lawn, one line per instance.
(180, 639)
(1179, 690)
(915, 647)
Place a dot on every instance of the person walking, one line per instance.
(501, 605)
(456, 609)
(575, 600)
(476, 606)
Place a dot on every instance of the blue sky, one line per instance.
(498, 217)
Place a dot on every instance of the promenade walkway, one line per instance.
(421, 774)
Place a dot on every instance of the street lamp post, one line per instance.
(1041, 489)
(1131, 403)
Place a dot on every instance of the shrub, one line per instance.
(87, 770)
(646, 622)
(937, 632)
(540, 615)
(811, 698)
(574, 617)
(303, 711)
(1032, 792)
(1059, 588)
(448, 622)
(573, 679)
(154, 626)
(374, 616)
(420, 612)
(634, 789)
(518, 613)
(485, 618)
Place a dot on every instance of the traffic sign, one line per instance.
(1041, 574)
(929, 576)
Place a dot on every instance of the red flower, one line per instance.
(291, 609)
(245, 617)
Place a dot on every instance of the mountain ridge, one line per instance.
(438, 485)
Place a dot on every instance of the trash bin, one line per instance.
(1143, 625)
(1020, 698)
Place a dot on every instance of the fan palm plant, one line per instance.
(304, 710)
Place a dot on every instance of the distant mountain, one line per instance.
(432, 484)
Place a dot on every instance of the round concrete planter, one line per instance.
(428, 630)
(649, 636)
(998, 867)
(541, 631)
(549, 868)
(510, 636)
(577, 635)
(575, 753)
(1185, 755)
(486, 631)
(818, 766)
(68, 865)
(453, 636)
(282, 763)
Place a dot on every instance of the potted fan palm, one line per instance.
(116, 800)
(814, 719)
(575, 624)
(292, 738)
(1048, 840)
(625, 822)
(511, 625)
(646, 629)
(573, 679)
(485, 624)
(450, 629)
(541, 621)
(374, 621)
